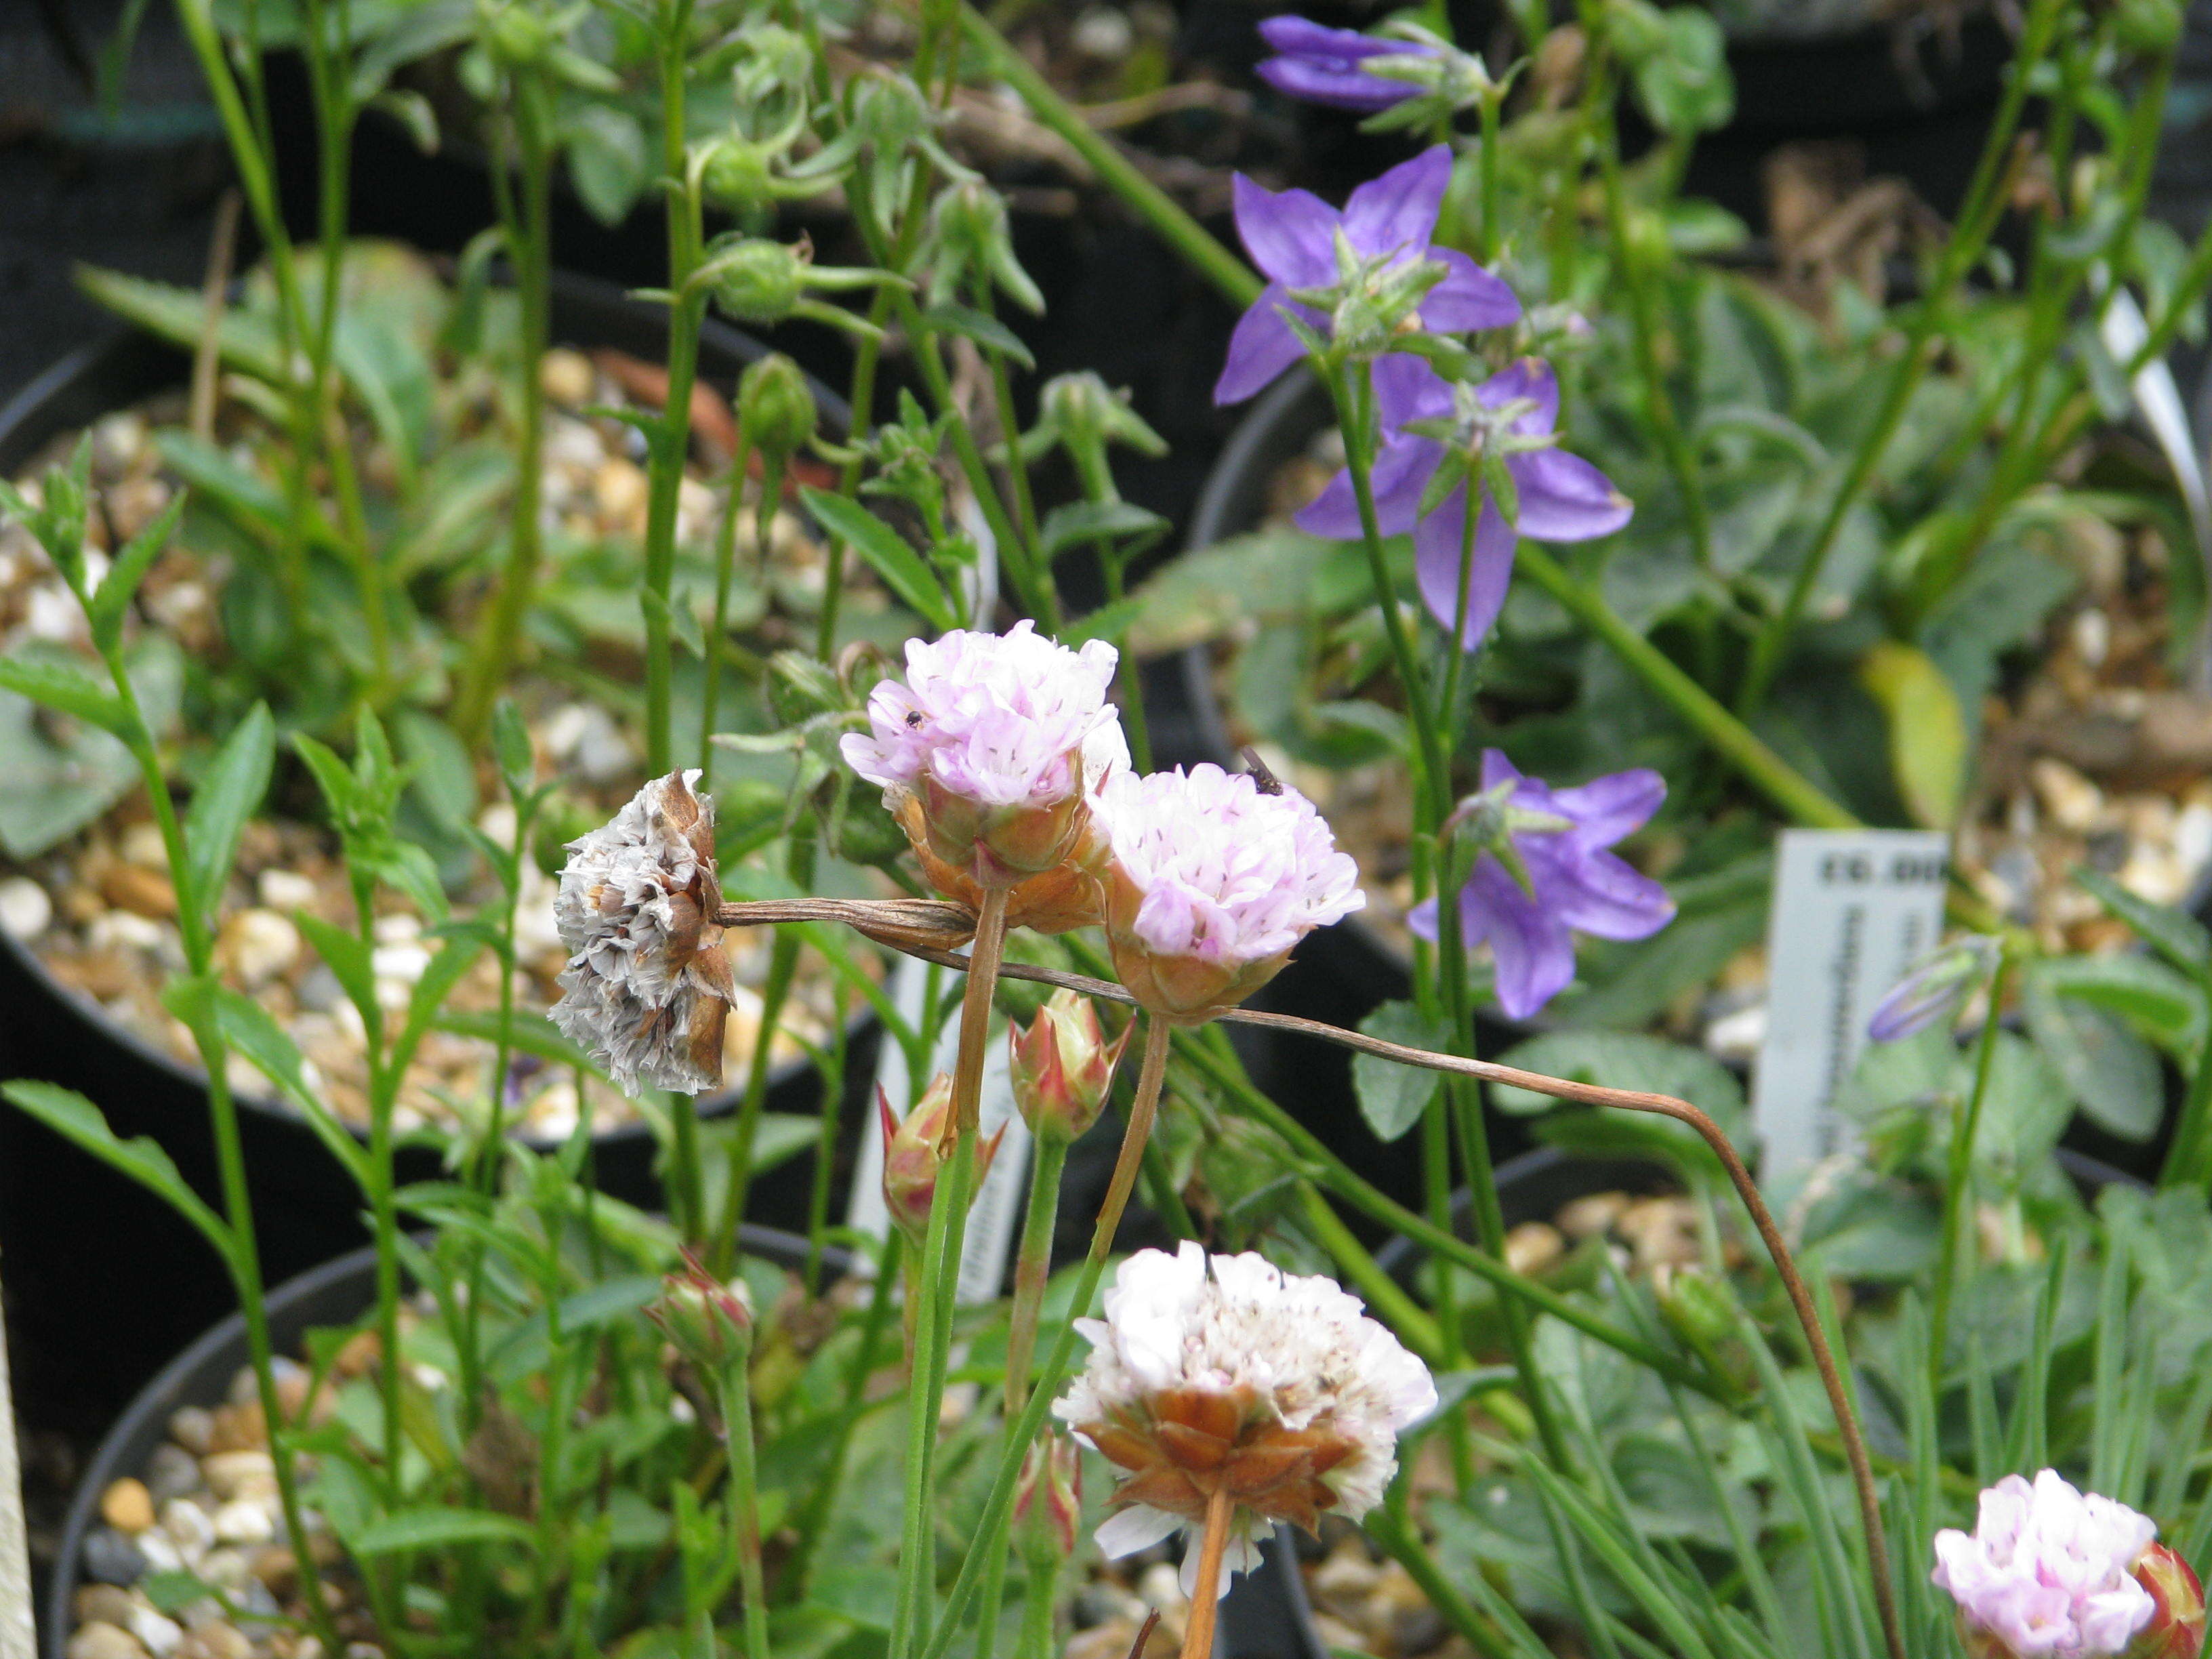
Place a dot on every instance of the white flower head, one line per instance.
(1211, 880)
(646, 988)
(1230, 1371)
(998, 737)
(2048, 1570)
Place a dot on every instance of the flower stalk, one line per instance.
(1197, 1632)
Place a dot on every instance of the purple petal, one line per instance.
(1596, 893)
(1497, 770)
(1564, 498)
(1401, 472)
(1608, 808)
(1470, 297)
(1399, 210)
(1534, 953)
(1439, 544)
(1301, 37)
(1407, 389)
(1262, 345)
(1421, 919)
(1530, 378)
(1339, 88)
(1291, 235)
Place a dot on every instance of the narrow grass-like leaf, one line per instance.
(227, 796)
(905, 571)
(2105, 1398)
(70, 1115)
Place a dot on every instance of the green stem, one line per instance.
(526, 219)
(670, 437)
(726, 549)
(1098, 488)
(744, 1505)
(1977, 220)
(1781, 784)
(1959, 1181)
(2187, 1164)
(1033, 1265)
(862, 398)
(1382, 1293)
(998, 1507)
(1204, 252)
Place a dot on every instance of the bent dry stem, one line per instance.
(1587, 1094)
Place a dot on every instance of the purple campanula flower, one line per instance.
(1563, 498)
(1323, 65)
(1573, 883)
(1933, 988)
(1291, 237)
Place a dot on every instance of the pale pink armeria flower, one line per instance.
(647, 989)
(988, 753)
(2048, 1570)
(1276, 1386)
(1210, 880)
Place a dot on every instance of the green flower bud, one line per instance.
(760, 282)
(736, 176)
(711, 1323)
(776, 409)
(517, 37)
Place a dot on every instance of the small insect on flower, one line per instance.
(988, 755)
(2050, 1569)
(647, 987)
(1209, 882)
(1229, 1373)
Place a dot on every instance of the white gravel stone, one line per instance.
(245, 1521)
(286, 890)
(25, 909)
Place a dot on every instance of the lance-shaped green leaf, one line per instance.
(903, 569)
(227, 796)
(70, 1115)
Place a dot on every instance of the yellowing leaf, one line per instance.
(1927, 730)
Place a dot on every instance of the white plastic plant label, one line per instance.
(993, 1221)
(1852, 911)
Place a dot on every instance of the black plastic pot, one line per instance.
(102, 1279)
(1265, 1616)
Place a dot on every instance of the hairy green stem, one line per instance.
(1033, 1265)
(1958, 1183)
(744, 1505)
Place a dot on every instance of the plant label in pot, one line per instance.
(1852, 911)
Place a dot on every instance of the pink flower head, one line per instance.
(2047, 1569)
(1210, 883)
(998, 737)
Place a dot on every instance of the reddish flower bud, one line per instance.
(711, 1323)
(1053, 1470)
(1062, 1066)
(2176, 1630)
(915, 1151)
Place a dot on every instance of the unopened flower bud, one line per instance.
(2176, 1630)
(736, 175)
(711, 1323)
(517, 37)
(1052, 1472)
(776, 409)
(1933, 988)
(968, 238)
(1697, 1306)
(915, 1152)
(760, 282)
(1062, 1066)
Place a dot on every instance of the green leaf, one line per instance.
(1261, 579)
(510, 743)
(2174, 934)
(2164, 1006)
(173, 1592)
(467, 941)
(70, 1115)
(2112, 1073)
(1392, 1096)
(1084, 522)
(250, 501)
(1927, 730)
(56, 681)
(1624, 1060)
(1685, 86)
(54, 782)
(230, 794)
(900, 566)
(609, 160)
(244, 341)
(253, 1031)
(441, 775)
(347, 957)
(430, 1527)
(104, 610)
(986, 330)
(529, 1034)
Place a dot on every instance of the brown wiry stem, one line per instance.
(1587, 1094)
(1206, 1601)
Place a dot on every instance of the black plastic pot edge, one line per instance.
(100, 377)
(1266, 1615)
(333, 1294)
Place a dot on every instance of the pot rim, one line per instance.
(293, 1308)
(586, 302)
